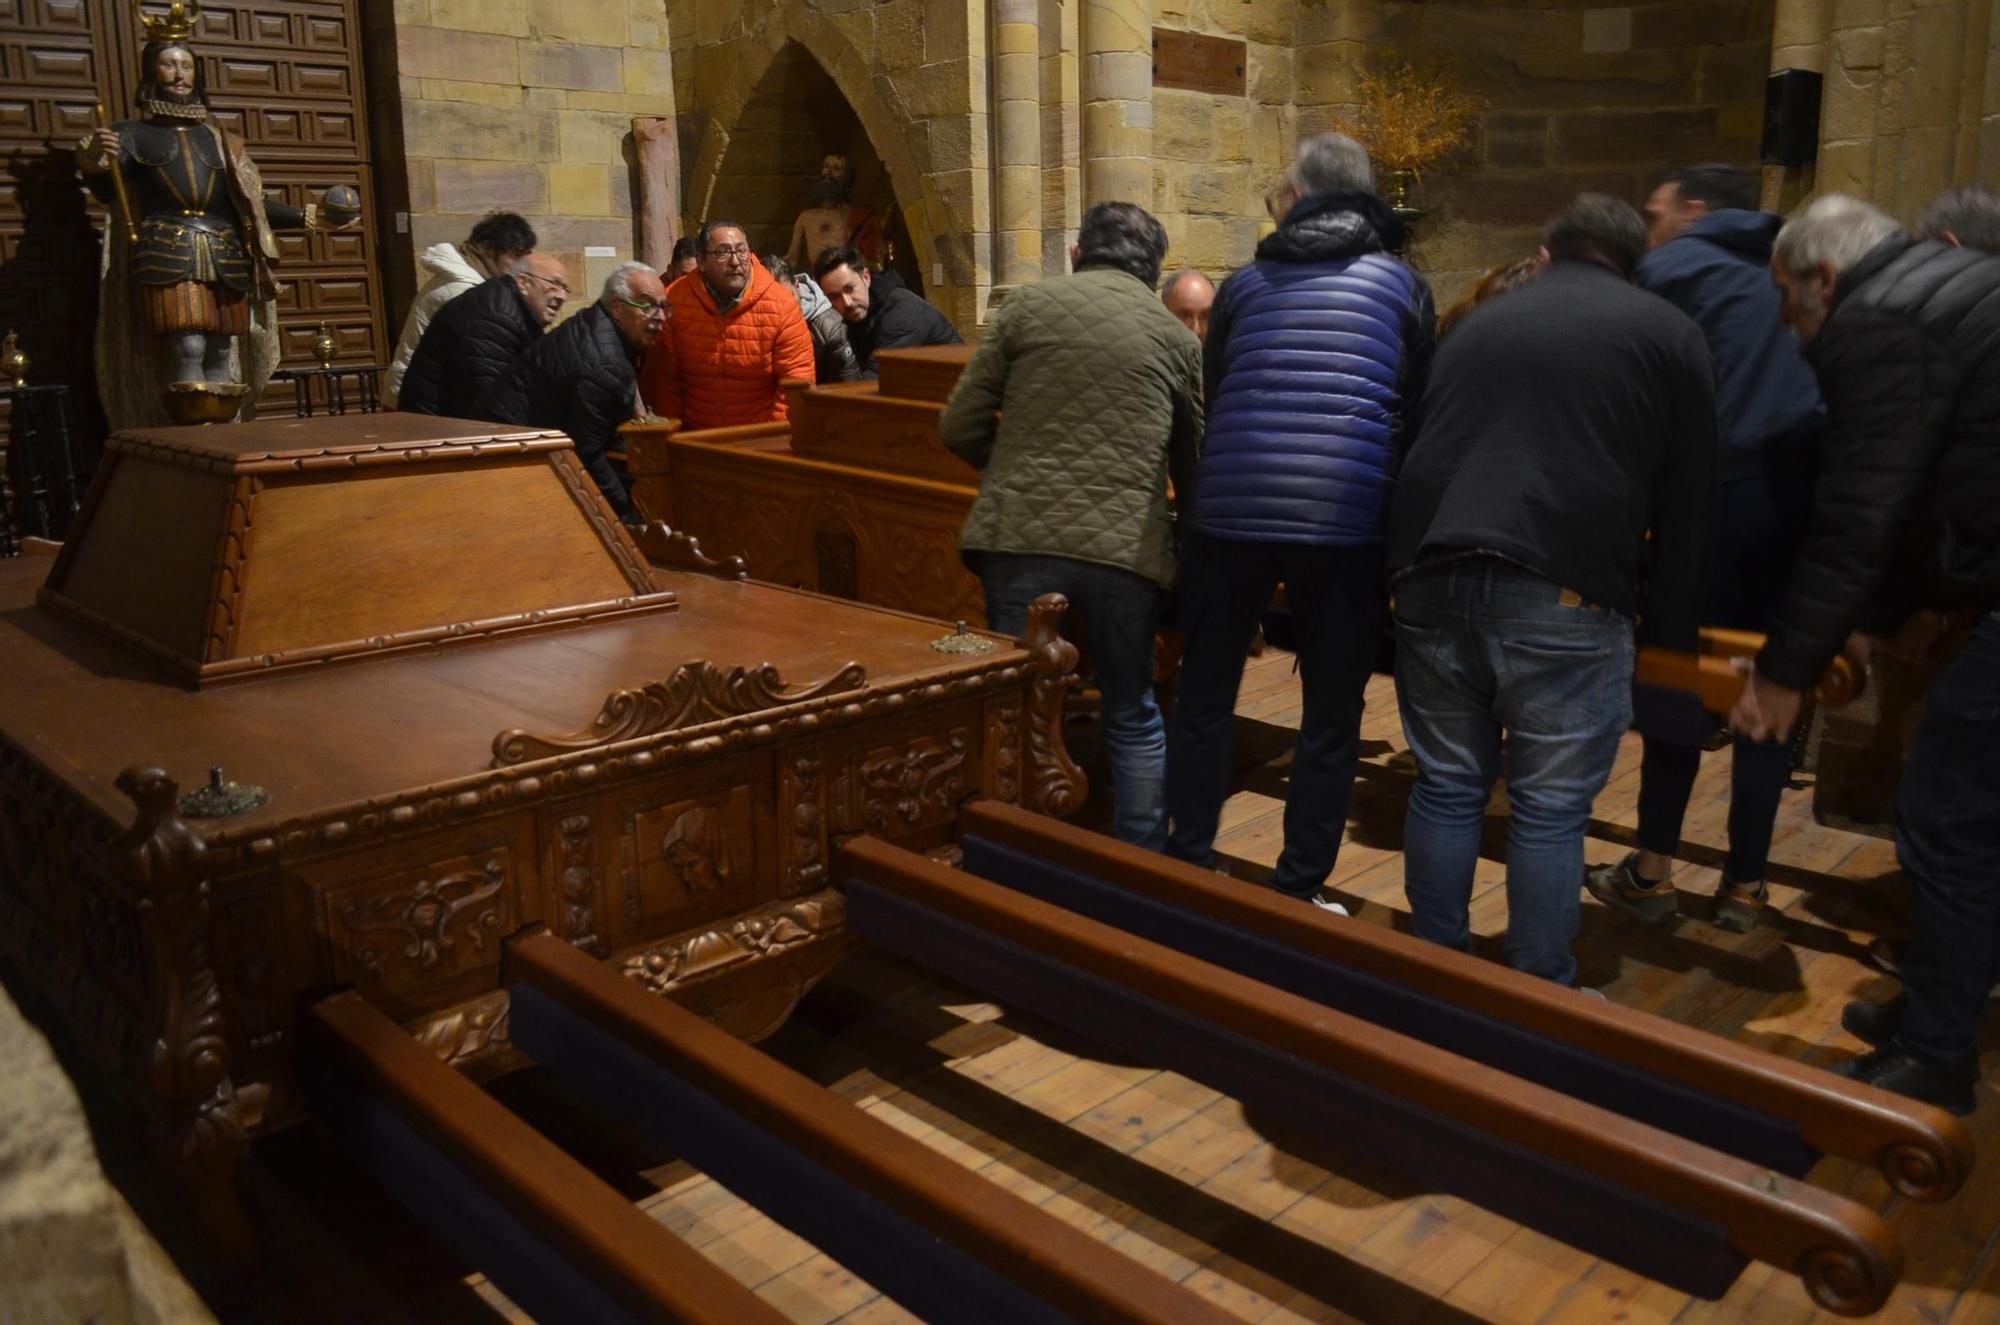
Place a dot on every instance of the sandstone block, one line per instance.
(1859, 13)
(507, 17)
(899, 34)
(471, 57)
(480, 186)
(958, 142)
(1614, 137)
(1357, 20)
(649, 73)
(480, 94)
(611, 103)
(1183, 124)
(948, 30)
(580, 189)
(423, 187)
(1328, 73)
(589, 22)
(1608, 29)
(1118, 76)
(1700, 23)
(445, 130)
(1018, 39)
(413, 13)
(590, 135)
(1018, 142)
(1860, 49)
(1524, 199)
(1223, 190)
(562, 64)
(1268, 75)
(933, 90)
(1254, 20)
(544, 98)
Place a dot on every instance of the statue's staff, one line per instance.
(118, 184)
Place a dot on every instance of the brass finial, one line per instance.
(325, 346)
(177, 24)
(13, 361)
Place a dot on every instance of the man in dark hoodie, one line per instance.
(1710, 257)
(1315, 359)
(881, 314)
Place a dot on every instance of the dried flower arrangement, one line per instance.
(1409, 117)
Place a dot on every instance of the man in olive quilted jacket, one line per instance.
(1098, 392)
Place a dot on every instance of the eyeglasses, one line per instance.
(735, 253)
(645, 306)
(553, 282)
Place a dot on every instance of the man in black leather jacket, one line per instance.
(474, 340)
(583, 377)
(1905, 337)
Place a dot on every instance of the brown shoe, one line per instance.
(1619, 885)
(1739, 906)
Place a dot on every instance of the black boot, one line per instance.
(1873, 1023)
(1949, 1087)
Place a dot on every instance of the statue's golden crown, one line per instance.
(177, 24)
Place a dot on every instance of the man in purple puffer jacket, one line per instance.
(1316, 357)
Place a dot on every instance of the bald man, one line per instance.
(1188, 295)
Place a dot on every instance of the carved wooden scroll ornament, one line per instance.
(697, 692)
(1055, 785)
(682, 551)
(197, 1120)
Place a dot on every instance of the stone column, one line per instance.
(1062, 134)
(1117, 101)
(1017, 139)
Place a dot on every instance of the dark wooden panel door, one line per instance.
(288, 76)
(55, 59)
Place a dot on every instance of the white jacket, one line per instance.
(450, 276)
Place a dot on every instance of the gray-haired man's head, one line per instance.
(1326, 163)
(544, 285)
(1963, 218)
(637, 302)
(1816, 248)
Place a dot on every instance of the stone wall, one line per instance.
(525, 105)
(1215, 157)
(1578, 96)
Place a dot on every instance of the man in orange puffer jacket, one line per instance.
(733, 333)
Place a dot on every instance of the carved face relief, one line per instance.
(695, 851)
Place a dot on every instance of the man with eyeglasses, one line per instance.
(732, 335)
(583, 377)
(472, 343)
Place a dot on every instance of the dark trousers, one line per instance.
(1948, 838)
(1337, 604)
(1759, 523)
(1121, 616)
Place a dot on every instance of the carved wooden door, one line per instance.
(287, 74)
(55, 59)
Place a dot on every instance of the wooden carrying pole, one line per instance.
(118, 184)
(1711, 675)
(1922, 1151)
(632, 1258)
(1845, 1252)
(1074, 1274)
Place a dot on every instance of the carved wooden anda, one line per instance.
(671, 815)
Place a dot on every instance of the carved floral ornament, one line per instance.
(696, 693)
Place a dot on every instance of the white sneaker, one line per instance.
(1324, 901)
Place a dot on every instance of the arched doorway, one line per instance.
(791, 123)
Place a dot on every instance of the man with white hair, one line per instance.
(1905, 337)
(583, 376)
(1314, 361)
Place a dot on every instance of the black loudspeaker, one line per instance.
(1791, 117)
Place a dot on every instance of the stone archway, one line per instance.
(796, 117)
(748, 60)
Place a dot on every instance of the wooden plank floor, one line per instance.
(1278, 1226)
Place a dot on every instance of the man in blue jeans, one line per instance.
(1565, 424)
(1082, 396)
(1315, 358)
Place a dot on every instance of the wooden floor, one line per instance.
(1274, 1225)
